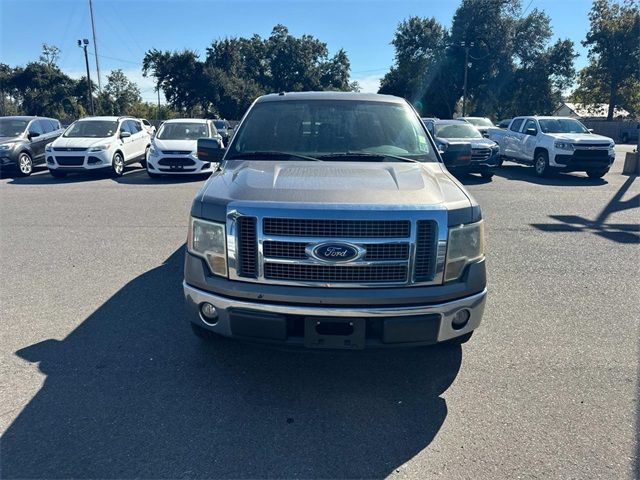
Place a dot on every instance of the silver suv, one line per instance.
(333, 223)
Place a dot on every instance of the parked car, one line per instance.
(23, 140)
(504, 124)
(224, 129)
(332, 223)
(173, 149)
(553, 144)
(483, 124)
(98, 144)
(449, 135)
(151, 130)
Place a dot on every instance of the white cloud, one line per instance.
(369, 83)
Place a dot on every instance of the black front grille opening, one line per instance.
(426, 246)
(69, 161)
(247, 247)
(335, 273)
(337, 228)
(375, 251)
(176, 162)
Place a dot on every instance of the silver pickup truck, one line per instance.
(333, 223)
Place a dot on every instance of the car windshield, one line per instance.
(480, 122)
(11, 127)
(318, 128)
(561, 125)
(92, 129)
(457, 130)
(183, 131)
(220, 124)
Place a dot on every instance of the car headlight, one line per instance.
(564, 145)
(100, 148)
(465, 246)
(208, 241)
(612, 145)
(152, 151)
(48, 148)
(7, 146)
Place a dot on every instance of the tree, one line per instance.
(614, 53)
(121, 94)
(50, 55)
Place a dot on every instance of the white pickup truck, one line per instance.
(552, 144)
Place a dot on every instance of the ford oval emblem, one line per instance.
(336, 252)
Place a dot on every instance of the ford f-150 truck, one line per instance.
(555, 144)
(333, 223)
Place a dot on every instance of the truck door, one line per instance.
(529, 139)
(511, 138)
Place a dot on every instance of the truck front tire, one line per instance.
(541, 164)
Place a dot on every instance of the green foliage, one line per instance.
(613, 73)
(237, 70)
(120, 95)
(512, 69)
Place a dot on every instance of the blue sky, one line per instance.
(127, 28)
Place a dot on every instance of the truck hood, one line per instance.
(356, 183)
(585, 138)
(80, 142)
(184, 145)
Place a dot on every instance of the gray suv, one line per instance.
(23, 140)
(333, 223)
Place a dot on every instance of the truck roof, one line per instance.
(371, 97)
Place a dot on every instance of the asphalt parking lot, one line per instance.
(101, 376)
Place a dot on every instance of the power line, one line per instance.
(118, 59)
(527, 8)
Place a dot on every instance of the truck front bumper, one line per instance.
(343, 326)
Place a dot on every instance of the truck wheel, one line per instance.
(597, 173)
(541, 164)
(203, 333)
(117, 165)
(57, 174)
(25, 164)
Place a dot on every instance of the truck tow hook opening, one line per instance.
(460, 319)
(334, 328)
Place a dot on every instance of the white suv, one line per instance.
(173, 149)
(98, 143)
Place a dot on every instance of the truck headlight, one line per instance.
(465, 246)
(208, 241)
(564, 145)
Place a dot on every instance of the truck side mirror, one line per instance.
(531, 131)
(209, 150)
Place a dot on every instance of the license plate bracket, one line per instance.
(331, 332)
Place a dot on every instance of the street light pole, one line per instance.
(83, 43)
(466, 67)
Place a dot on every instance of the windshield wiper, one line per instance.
(367, 156)
(269, 155)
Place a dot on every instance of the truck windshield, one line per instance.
(561, 125)
(319, 128)
(457, 130)
(10, 127)
(182, 131)
(92, 129)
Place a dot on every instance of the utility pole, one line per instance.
(158, 114)
(83, 43)
(466, 67)
(95, 43)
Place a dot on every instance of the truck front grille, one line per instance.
(295, 227)
(335, 273)
(278, 250)
(480, 154)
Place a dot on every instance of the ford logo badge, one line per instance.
(335, 252)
